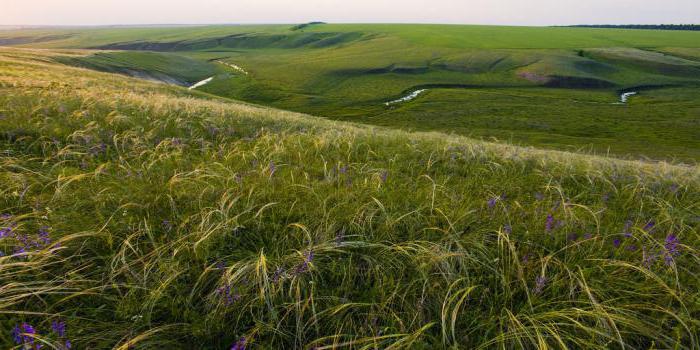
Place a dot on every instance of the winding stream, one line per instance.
(406, 98)
(625, 96)
(201, 83)
(231, 65)
(208, 80)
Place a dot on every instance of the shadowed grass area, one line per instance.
(168, 68)
(147, 216)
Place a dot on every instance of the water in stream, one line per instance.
(625, 96)
(408, 97)
(201, 83)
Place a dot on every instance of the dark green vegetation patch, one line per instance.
(164, 67)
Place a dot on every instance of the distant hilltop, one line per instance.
(642, 26)
(304, 25)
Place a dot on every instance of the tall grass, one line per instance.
(153, 218)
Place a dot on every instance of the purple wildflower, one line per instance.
(526, 258)
(384, 176)
(213, 131)
(540, 283)
(492, 202)
(627, 230)
(674, 188)
(672, 247)
(16, 335)
(59, 327)
(24, 334)
(617, 242)
(648, 258)
(68, 345)
(549, 224)
(28, 243)
(228, 295)
(308, 257)
(239, 345)
(498, 198)
(5, 216)
(344, 169)
(5, 231)
(277, 274)
(28, 329)
(44, 239)
(572, 237)
(19, 251)
(220, 265)
(8, 231)
(507, 229)
(166, 225)
(587, 236)
(649, 226)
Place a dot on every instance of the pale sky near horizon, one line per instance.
(514, 12)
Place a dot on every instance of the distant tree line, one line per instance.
(642, 26)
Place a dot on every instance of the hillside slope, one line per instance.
(558, 88)
(140, 215)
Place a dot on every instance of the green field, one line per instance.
(139, 215)
(547, 87)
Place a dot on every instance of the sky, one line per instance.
(513, 12)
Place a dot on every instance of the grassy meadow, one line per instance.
(556, 88)
(137, 215)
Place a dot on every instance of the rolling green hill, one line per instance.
(439, 35)
(548, 87)
(137, 215)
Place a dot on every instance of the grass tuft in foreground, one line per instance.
(141, 216)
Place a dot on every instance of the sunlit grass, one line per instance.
(180, 221)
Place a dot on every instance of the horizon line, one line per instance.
(20, 26)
